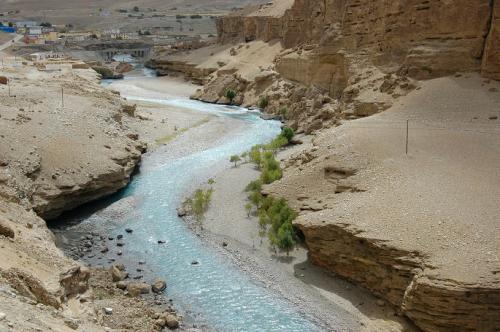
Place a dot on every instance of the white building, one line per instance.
(26, 24)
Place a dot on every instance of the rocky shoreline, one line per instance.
(78, 152)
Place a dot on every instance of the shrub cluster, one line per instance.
(263, 102)
(200, 203)
(275, 216)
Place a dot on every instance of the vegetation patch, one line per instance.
(275, 215)
(200, 202)
(230, 94)
(263, 102)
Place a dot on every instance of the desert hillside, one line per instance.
(385, 166)
(418, 229)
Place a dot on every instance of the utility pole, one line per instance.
(407, 122)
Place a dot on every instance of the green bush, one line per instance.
(254, 186)
(287, 133)
(256, 155)
(230, 94)
(263, 102)
(275, 216)
(200, 203)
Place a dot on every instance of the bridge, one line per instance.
(109, 53)
(108, 49)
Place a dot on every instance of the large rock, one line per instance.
(138, 288)
(75, 281)
(117, 272)
(159, 286)
(31, 287)
(172, 321)
(6, 230)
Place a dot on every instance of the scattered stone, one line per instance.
(120, 244)
(119, 236)
(117, 273)
(121, 285)
(119, 253)
(172, 321)
(194, 263)
(161, 322)
(72, 323)
(494, 117)
(162, 241)
(108, 311)
(111, 238)
(142, 262)
(2, 316)
(137, 288)
(6, 230)
(159, 286)
(104, 249)
(224, 244)
(380, 303)
(128, 230)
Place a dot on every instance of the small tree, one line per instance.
(235, 159)
(288, 133)
(136, 9)
(230, 94)
(244, 156)
(285, 238)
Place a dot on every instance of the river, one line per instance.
(214, 292)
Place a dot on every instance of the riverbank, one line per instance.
(65, 141)
(334, 303)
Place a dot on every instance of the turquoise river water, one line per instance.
(215, 292)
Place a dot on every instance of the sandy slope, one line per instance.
(336, 304)
(442, 198)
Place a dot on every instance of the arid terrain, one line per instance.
(418, 229)
(393, 171)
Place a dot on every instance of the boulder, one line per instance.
(129, 109)
(159, 286)
(121, 285)
(6, 230)
(4, 80)
(118, 272)
(137, 288)
(172, 321)
(75, 281)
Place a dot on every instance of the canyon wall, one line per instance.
(424, 38)
(345, 59)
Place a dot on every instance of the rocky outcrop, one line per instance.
(403, 278)
(191, 71)
(424, 38)
(72, 155)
